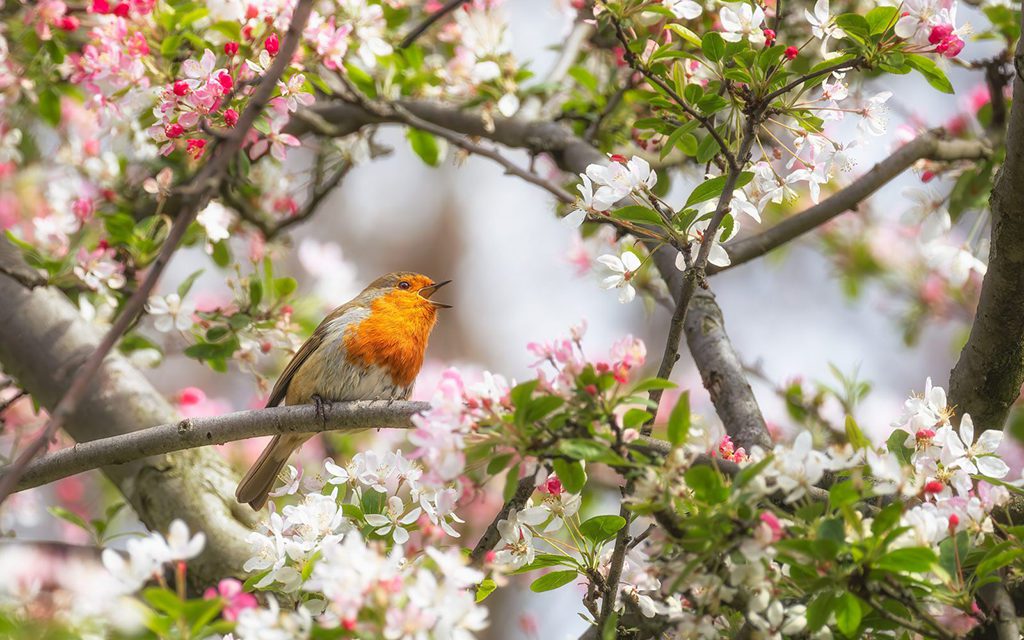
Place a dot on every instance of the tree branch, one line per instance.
(200, 432)
(928, 145)
(422, 27)
(200, 188)
(987, 378)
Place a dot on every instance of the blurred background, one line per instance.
(518, 278)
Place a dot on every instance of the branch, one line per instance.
(43, 341)
(839, 66)
(926, 146)
(524, 490)
(198, 192)
(422, 27)
(202, 432)
(987, 379)
(637, 65)
(1002, 612)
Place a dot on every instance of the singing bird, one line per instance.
(370, 348)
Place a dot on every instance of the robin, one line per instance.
(370, 348)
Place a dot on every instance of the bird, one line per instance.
(370, 348)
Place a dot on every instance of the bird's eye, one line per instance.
(403, 285)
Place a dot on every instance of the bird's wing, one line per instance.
(307, 349)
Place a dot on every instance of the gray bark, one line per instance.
(43, 342)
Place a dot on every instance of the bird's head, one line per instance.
(407, 287)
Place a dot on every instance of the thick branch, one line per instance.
(926, 146)
(43, 342)
(200, 432)
(987, 379)
(198, 192)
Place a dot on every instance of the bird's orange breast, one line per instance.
(394, 336)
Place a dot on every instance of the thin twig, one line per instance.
(419, 29)
(839, 66)
(636, 64)
(202, 186)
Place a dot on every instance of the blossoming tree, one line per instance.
(131, 129)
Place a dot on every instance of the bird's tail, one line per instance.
(259, 481)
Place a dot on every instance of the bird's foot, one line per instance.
(321, 412)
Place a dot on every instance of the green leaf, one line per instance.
(590, 450)
(497, 463)
(706, 484)
(362, 80)
(880, 19)
(713, 46)
(636, 213)
(611, 627)
(854, 435)
(931, 72)
(69, 516)
(49, 106)
(163, 600)
(713, 187)
(854, 25)
(896, 445)
(485, 589)
(571, 473)
(686, 34)
(908, 560)
(255, 292)
(284, 286)
(425, 145)
(848, 613)
(601, 528)
(842, 494)
(819, 610)
(553, 580)
(634, 417)
(651, 384)
(679, 420)
(543, 560)
(186, 284)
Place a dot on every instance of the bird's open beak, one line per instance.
(426, 292)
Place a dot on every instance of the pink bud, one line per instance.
(272, 44)
(791, 53)
(231, 48)
(230, 117)
(121, 10)
(934, 486)
(191, 395)
(68, 23)
(769, 37)
(927, 176)
(180, 88)
(225, 80)
(174, 130)
(953, 522)
(939, 33)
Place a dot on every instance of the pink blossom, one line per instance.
(769, 519)
(235, 600)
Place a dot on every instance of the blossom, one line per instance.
(235, 600)
(216, 220)
(394, 520)
(585, 203)
(180, 545)
(683, 9)
(742, 22)
(874, 114)
(823, 24)
(622, 271)
(977, 457)
(956, 263)
(170, 312)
